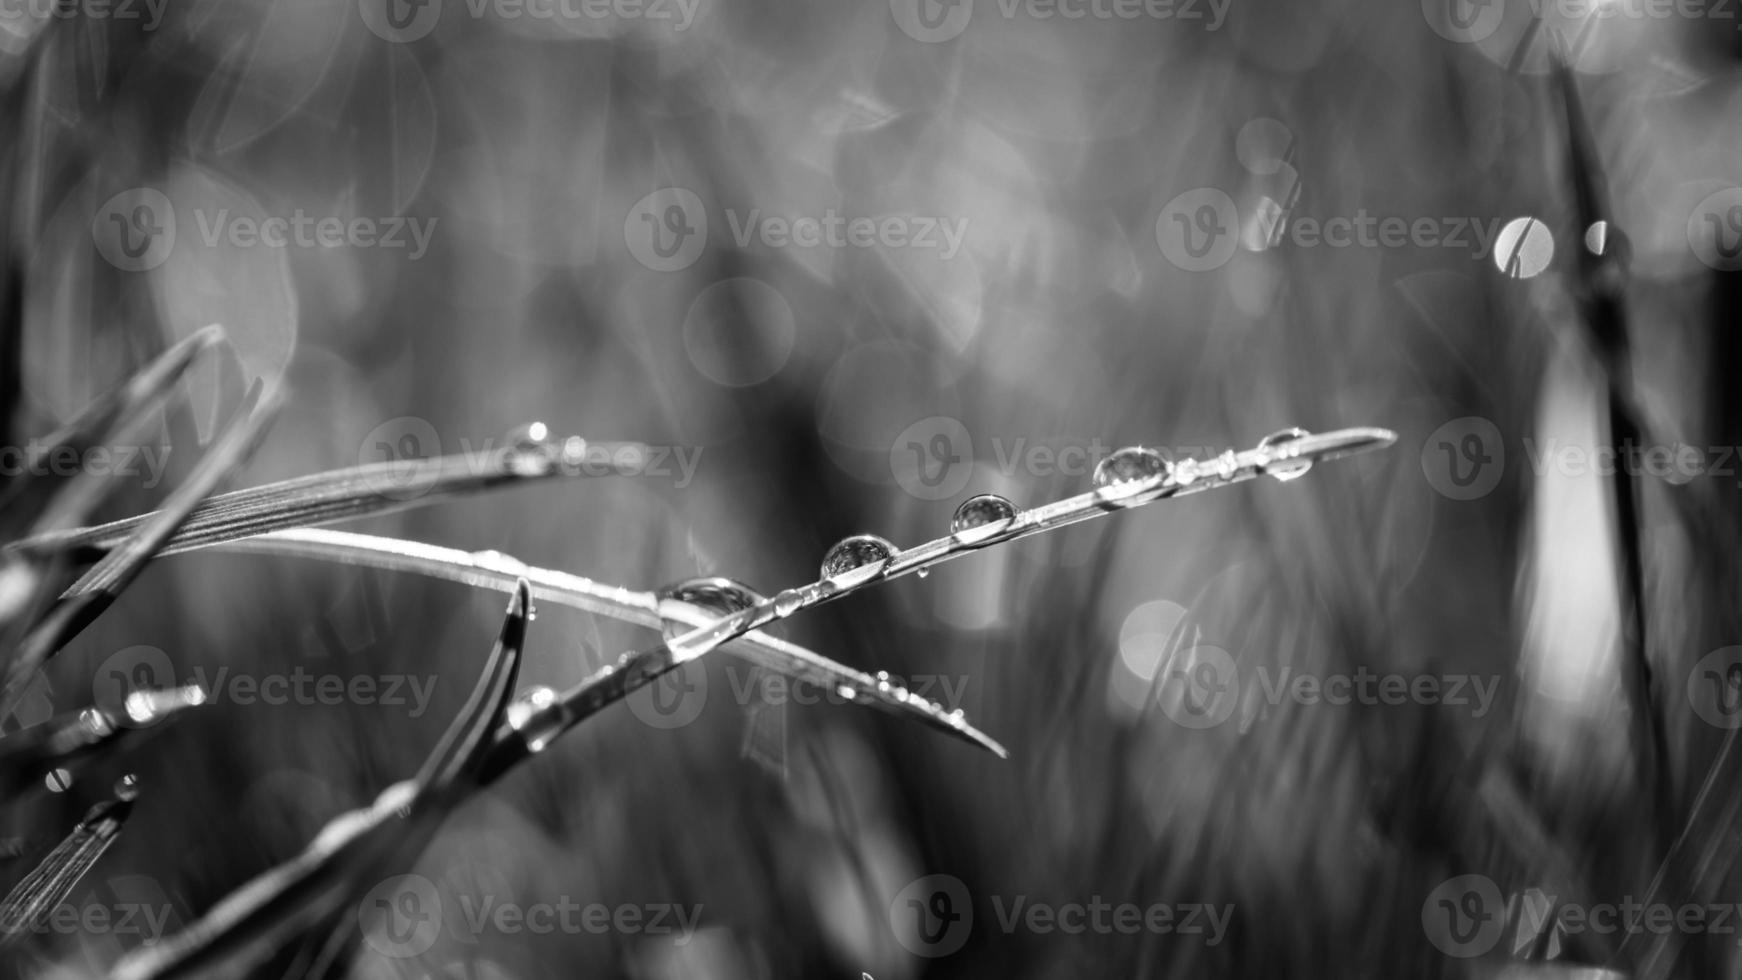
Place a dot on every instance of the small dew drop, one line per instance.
(846, 692)
(856, 552)
(979, 511)
(527, 716)
(531, 438)
(1128, 465)
(531, 450)
(127, 787)
(788, 602)
(922, 572)
(1286, 470)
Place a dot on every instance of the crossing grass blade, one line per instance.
(332, 874)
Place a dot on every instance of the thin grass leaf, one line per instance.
(346, 494)
(119, 416)
(99, 586)
(494, 570)
(27, 907)
(29, 584)
(1696, 868)
(334, 871)
(1129, 478)
(28, 756)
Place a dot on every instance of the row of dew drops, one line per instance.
(726, 596)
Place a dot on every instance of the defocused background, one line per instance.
(637, 221)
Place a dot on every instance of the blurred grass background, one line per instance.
(530, 142)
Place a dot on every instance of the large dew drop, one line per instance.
(1128, 465)
(1286, 470)
(719, 595)
(856, 552)
(987, 508)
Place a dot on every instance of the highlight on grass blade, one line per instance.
(119, 416)
(346, 494)
(339, 866)
(99, 586)
(672, 616)
(38, 505)
(1129, 478)
(27, 907)
(26, 757)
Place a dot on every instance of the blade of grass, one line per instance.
(119, 416)
(1188, 476)
(337, 495)
(338, 867)
(27, 907)
(495, 570)
(98, 587)
(28, 756)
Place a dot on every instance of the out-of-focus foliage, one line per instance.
(526, 148)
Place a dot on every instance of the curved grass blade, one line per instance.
(27, 907)
(29, 584)
(494, 570)
(28, 756)
(1288, 458)
(121, 415)
(104, 581)
(338, 495)
(340, 865)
